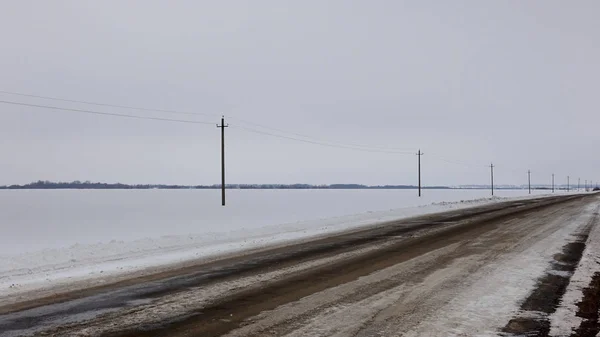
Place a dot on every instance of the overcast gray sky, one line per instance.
(513, 82)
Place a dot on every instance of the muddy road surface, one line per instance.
(498, 269)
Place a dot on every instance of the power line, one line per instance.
(195, 122)
(322, 140)
(455, 162)
(107, 104)
(307, 139)
(105, 113)
(201, 114)
(315, 142)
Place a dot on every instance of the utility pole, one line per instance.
(578, 184)
(585, 186)
(222, 126)
(552, 182)
(529, 180)
(492, 171)
(420, 154)
(567, 183)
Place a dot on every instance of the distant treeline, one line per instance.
(90, 185)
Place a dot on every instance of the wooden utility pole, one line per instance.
(222, 126)
(552, 182)
(419, 154)
(492, 172)
(529, 180)
(578, 184)
(568, 184)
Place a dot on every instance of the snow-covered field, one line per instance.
(55, 236)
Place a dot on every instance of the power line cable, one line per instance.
(456, 162)
(108, 105)
(309, 139)
(350, 144)
(194, 122)
(314, 142)
(201, 114)
(105, 113)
